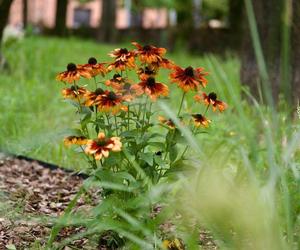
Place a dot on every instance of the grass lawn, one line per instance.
(248, 143)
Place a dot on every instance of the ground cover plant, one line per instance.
(247, 160)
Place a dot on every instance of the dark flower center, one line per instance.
(198, 116)
(189, 71)
(147, 47)
(112, 96)
(116, 76)
(212, 96)
(101, 143)
(148, 71)
(150, 82)
(92, 61)
(99, 91)
(124, 51)
(127, 86)
(71, 67)
(74, 87)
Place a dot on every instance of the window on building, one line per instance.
(82, 17)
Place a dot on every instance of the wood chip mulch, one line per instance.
(29, 191)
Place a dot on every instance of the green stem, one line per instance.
(187, 147)
(116, 124)
(150, 112)
(206, 109)
(168, 145)
(181, 103)
(145, 111)
(93, 163)
(128, 117)
(95, 82)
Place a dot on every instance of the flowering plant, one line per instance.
(123, 134)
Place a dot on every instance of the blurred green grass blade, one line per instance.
(286, 87)
(266, 85)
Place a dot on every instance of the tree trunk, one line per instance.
(296, 52)
(60, 28)
(25, 13)
(268, 17)
(235, 21)
(4, 14)
(136, 15)
(185, 21)
(107, 30)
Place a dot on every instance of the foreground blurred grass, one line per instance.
(246, 169)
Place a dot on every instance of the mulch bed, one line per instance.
(31, 193)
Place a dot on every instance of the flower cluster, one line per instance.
(117, 92)
(121, 130)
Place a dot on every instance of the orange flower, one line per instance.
(93, 67)
(116, 81)
(146, 72)
(72, 74)
(151, 88)
(149, 53)
(123, 59)
(211, 99)
(163, 63)
(101, 146)
(167, 122)
(111, 102)
(122, 54)
(75, 140)
(128, 92)
(73, 92)
(188, 78)
(200, 120)
(122, 65)
(92, 98)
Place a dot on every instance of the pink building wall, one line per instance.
(42, 12)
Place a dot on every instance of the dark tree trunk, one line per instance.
(107, 30)
(185, 21)
(268, 15)
(25, 13)
(60, 28)
(235, 21)
(296, 52)
(136, 15)
(4, 14)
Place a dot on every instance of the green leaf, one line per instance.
(86, 119)
(159, 145)
(159, 161)
(110, 176)
(130, 134)
(179, 166)
(113, 159)
(147, 157)
(173, 153)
